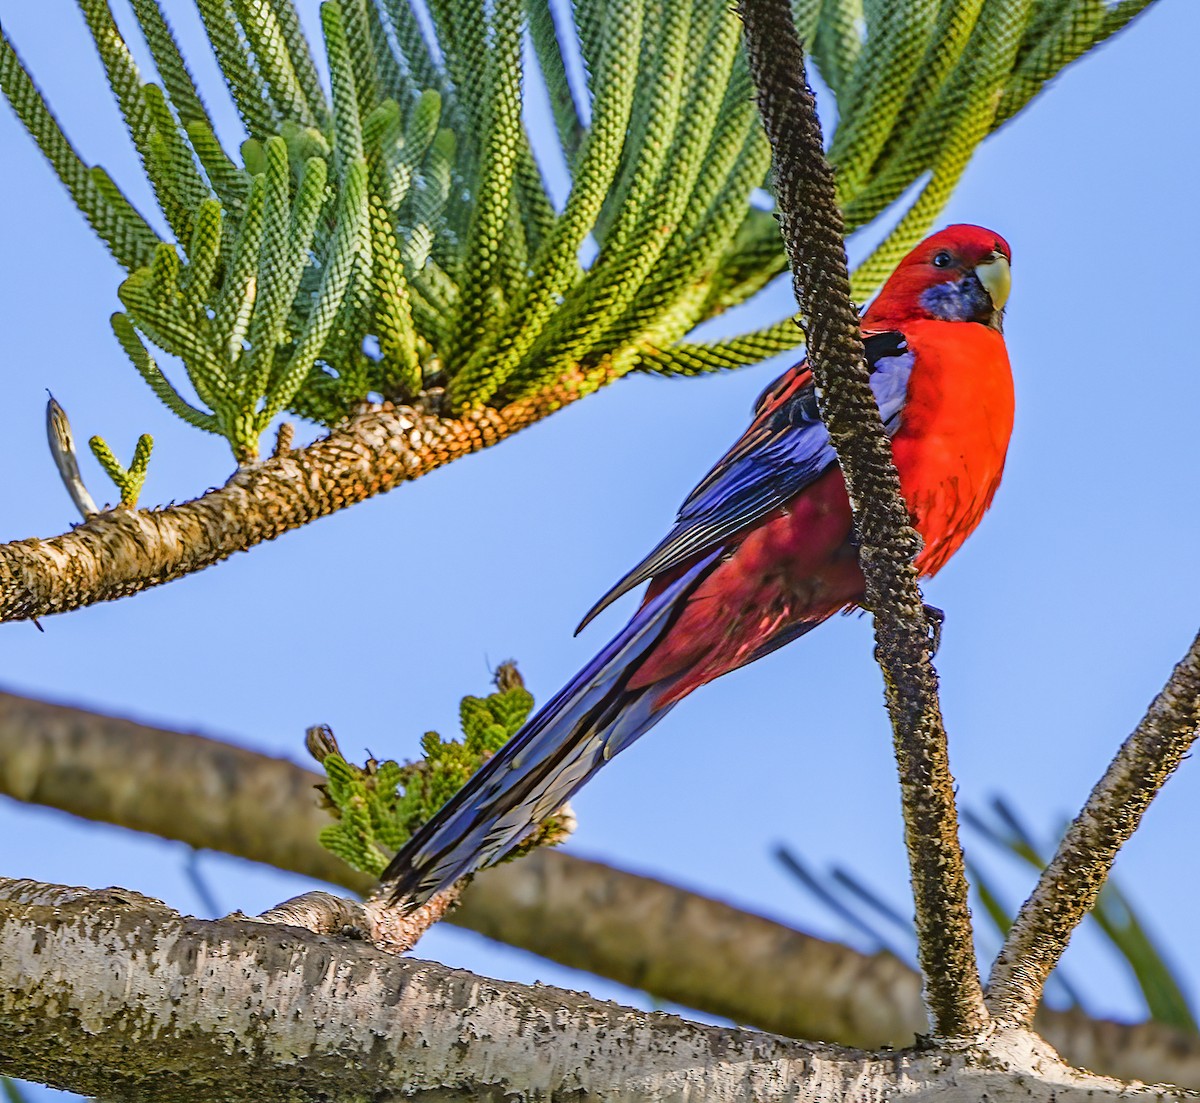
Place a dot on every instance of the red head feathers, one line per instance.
(960, 274)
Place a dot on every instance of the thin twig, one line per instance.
(813, 233)
(121, 552)
(1069, 885)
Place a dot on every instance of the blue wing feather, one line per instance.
(594, 717)
(785, 449)
(597, 715)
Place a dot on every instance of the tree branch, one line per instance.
(677, 945)
(154, 1006)
(124, 551)
(1069, 885)
(813, 233)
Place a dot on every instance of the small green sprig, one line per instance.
(379, 805)
(129, 479)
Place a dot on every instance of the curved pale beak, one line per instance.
(996, 277)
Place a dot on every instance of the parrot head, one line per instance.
(959, 274)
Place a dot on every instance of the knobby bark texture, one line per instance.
(677, 945)
(813, 232)
(124, 551)
(375, 919)
(1069, 885)
(157, 1006)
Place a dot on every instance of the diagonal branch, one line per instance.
(151, 1005)
(124, 551)
(813, 233)
(677, 945)
(1069, 885)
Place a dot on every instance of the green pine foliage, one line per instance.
(392, 233)
(379, 805)
(129, 479)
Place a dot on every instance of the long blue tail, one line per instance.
(593, 718)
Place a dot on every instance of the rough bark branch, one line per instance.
(813, 232)
(151, 1005)
(675, 944)
(1069, 885)
(124, 551)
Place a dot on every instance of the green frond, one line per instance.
(426, 211)
(239, 289)
(408, 211)
(393, 311)
(119, 67)
(182, 178)
(277, 278)
(921, 122)
(697, 357)
(178, 332)
(532, 215)
(547, 44)
(228, 180)
(129, 480)
(158, 383)
(1119, 15)
(114, 219)
(806, 13)
(414, 50)
(694, 279)
(878, 88)
(364, 60)
(116, 222)
(246, 85)
(838, 41)
(1073, 34)
(300, 56)
(350, 239)
(273, 60)
(488, 279)
(608, 315)
(389, 76)
(347, 129)
(590, 30)
(556, 267)
(172, 68)
(377, 806)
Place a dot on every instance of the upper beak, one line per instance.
(996, 276)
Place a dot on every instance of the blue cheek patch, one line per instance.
(963, 300)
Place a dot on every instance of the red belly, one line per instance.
(799, 564)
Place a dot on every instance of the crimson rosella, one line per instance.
(763, 549)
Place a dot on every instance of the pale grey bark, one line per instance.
(113, 993)
(678, 945)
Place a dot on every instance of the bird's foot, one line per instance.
(935, 618)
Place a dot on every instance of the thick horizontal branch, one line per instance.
(123, 551)
(677, 945)
(154, 1006)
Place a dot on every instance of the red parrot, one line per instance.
(763, 549)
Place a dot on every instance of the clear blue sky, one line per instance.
(1064, 613)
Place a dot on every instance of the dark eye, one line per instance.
(943, 259)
